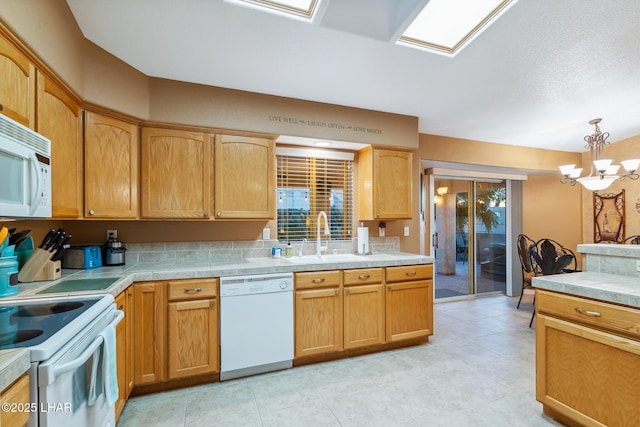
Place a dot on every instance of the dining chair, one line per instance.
(633, 240)
(524, 244)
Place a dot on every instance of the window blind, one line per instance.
(306, 186)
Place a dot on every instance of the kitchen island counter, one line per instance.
(607, 287)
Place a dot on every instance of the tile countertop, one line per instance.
(601, 286)
(225, 267)
(13, 363)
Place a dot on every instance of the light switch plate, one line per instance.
(638, 265)
(406, 232)
(266, 233)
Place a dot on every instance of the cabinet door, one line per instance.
(363, 315)
(409, 310)
(318, 321)
(175, 174)
(591, 377)
(16, 394)
(17, 84)
(110, 168)
(59, 120)
(392, 184)
(193, 338)
(244, 177)
(129, 357)
(150, 304)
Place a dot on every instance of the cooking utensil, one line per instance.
(32, 269)
(64, 244)
(19, 237)
(4, 234)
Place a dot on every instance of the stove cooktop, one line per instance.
(41, 323)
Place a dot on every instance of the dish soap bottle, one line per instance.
(288, 251)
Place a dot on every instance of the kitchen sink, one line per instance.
(313, 259)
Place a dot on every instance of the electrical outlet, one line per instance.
(112, 234)
(406, 232)
(266, 233)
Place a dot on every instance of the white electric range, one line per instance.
(72, 347)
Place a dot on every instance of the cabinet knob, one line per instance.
(218, 213)
(363, 276)
(121, 306)
(91, 212)
(378, 215)
(587, 312)
(192, 290)
(318, 280)
(411, 273)
(206, 213)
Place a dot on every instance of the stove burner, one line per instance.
(47, 309)
(20, 336)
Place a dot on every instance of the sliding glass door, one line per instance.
(469, 237)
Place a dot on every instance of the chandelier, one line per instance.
(602, 173)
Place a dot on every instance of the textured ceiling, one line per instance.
(534, 78)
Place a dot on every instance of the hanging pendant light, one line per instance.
(602, 173)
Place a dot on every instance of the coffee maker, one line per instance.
(113, 252)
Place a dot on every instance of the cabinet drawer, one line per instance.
(317, 279)
(409, 272)
(193, 289)
(363, 276)
(601, 315)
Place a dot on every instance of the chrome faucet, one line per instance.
(320, 248)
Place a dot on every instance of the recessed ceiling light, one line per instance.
(446, 26)
(322, 143)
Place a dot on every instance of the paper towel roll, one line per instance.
(363, 240)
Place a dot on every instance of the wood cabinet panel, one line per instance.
(193, 289)
(409, 310)
(150, 305)
(601, 315)
(175, 174)
(111, 159)
(363, 276)
(385, 184)
(317, 279)
(59, 119)
(244, 177)
(193, 338)
(16, 393)
(587, 375)
(364, 315)
(409, 272)
(318, 321)
(17, 84)
(124, 348)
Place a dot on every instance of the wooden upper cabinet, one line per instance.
(17, 84)
(175, 174)
(384, 182)
(59, 119)
(110, 167)
(244, 177)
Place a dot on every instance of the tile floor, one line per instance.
(477, 370)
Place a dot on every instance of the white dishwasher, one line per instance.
(256, 324)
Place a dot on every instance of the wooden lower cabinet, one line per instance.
(150, 306)
(409, 302)
(18, 392)
(587, 370)
(124, 349)
(363, 307)
(176, 329)
(193, 328)
(318, 313)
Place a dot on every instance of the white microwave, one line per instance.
(25, 171)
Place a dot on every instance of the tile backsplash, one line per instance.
(217, 252)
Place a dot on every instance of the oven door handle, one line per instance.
(80, 360)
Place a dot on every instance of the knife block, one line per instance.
(51, 270)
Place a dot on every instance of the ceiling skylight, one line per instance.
(446, 26)
(304, 8)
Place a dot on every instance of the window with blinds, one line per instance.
(307, 186)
